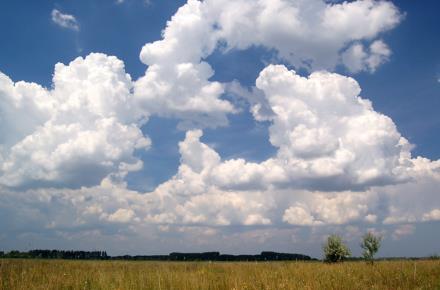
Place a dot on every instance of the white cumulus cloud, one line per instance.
(77, 133)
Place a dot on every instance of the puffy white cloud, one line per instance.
(176, 83)
(298, 215)
(23, 107)
(379, 53)
(96, 85)
(307, 34)
(64, 20)
(190, 198)
(356, 59)
(122, 215)
(183, 92)
(72, 154)
(324, 209)
(206, 157)
(82, 130)
(328, 138)
(324, 130)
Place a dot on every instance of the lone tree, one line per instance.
(335, 250)
(370, 244)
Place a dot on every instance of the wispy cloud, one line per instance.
(403, 230)
(64, 20)
(146, 2)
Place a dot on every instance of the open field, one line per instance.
(62, 274)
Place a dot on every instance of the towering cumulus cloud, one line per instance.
(65, 152)
(73, 135)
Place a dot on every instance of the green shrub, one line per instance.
(335, 250)
(370, 244)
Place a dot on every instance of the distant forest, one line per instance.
(102, 255)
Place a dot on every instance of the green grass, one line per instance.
(59, 274)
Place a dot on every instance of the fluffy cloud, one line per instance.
(328, 138)
(64, 20)
(122, 215)
(325, 131)
(189, 198)
(307, 34)
(336, 208)
(75, 134)
(24, 107)
(356, 59)
(176, 83)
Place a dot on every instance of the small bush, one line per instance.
(370, 244)
(335, 250)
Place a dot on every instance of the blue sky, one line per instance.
(404, 85)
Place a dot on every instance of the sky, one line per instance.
(147, 127)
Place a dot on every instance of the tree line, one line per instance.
(175, 256)
(57, 254)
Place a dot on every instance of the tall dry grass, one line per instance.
(58, 274)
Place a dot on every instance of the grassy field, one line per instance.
(59, 274)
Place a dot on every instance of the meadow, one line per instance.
(61, 274)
